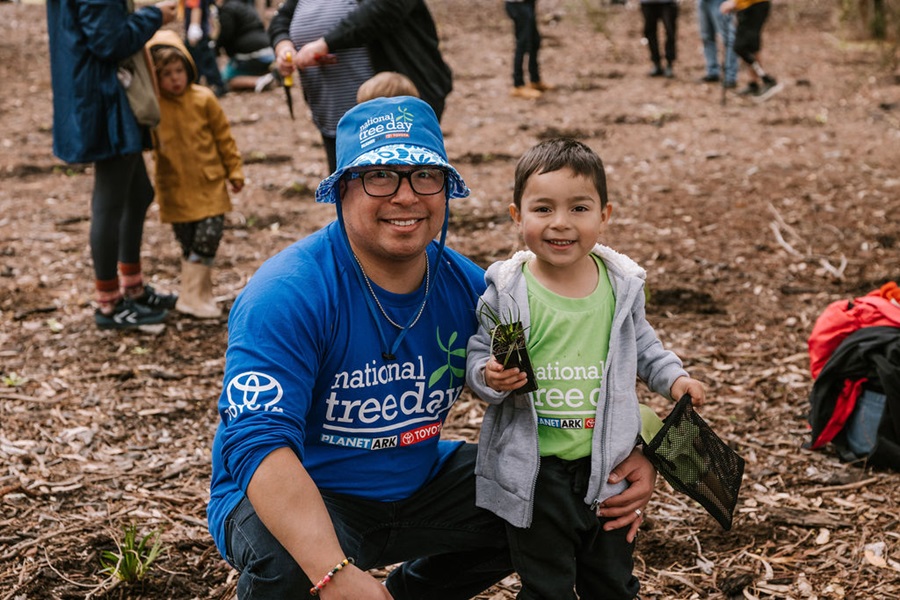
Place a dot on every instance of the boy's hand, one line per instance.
(685, 385)
(726, 7)
(236, 185)
(503, 380)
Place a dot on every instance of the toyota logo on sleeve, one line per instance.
(252, 391)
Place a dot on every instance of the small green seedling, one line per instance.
(132, 560)
(508, 343)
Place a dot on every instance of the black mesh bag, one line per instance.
(696, 462)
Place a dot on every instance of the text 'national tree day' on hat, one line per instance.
(400, 130)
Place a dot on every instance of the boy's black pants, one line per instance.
(566, 549)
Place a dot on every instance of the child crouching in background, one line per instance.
(195, 156)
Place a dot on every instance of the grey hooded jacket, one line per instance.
(508, 454)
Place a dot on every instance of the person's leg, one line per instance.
(453, 549)
(207, 67)
(534, 43)
(110, 177)
(669, 12)
(605, 563)
(465, 547)
(544, 554)
(726, 27)
(267, 570)
(651, 15)
(707, 21)
(199, 242)
(518, 12)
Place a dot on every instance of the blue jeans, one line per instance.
(450, 549)
(713, 23)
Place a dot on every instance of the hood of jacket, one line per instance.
(502, 273)
(167, 37)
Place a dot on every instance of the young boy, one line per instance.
(195, 156)
(751, 16)
(544, 458)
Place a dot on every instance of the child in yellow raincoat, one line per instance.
(196, 159)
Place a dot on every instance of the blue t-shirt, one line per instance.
(304, 370)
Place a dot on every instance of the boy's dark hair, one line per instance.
(556, 154)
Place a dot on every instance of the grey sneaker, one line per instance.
(129, 315)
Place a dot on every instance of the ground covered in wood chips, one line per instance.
(749, 219)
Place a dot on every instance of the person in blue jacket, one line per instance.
(346, 352)
(93, 123)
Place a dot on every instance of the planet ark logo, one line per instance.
(387, 126)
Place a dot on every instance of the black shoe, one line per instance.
(752, 89)
(709, 79)
(129, 315)
(770, 87)
(153, 299)
(656, 71)
(729, 85)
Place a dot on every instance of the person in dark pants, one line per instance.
(751, 17)
(666, 11)
(546, 451)
(202, 47)
(93, 123)
(528, 43)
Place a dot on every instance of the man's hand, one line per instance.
(627, 508)
(685, 385)
(352, 584)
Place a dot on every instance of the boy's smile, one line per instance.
(560, 220)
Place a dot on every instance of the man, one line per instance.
(346, 351)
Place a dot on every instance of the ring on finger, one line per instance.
(638, 512)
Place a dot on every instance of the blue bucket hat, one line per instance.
(400, 130)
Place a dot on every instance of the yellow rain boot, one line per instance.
(196, 297)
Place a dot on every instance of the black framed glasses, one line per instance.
(385, 182)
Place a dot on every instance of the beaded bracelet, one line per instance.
(314, 590)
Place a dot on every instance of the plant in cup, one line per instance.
(508, 343)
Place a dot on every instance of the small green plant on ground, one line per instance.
(132, 559)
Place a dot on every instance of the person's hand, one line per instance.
(626, 509)
(194, 34)
(501, 379)
(236, 185)
(726, 7)
(314, 54)
(284, 58)
(685, 385)
(353, 583)
(169, 10)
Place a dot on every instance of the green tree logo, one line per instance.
(451, 352)
(405, 115)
